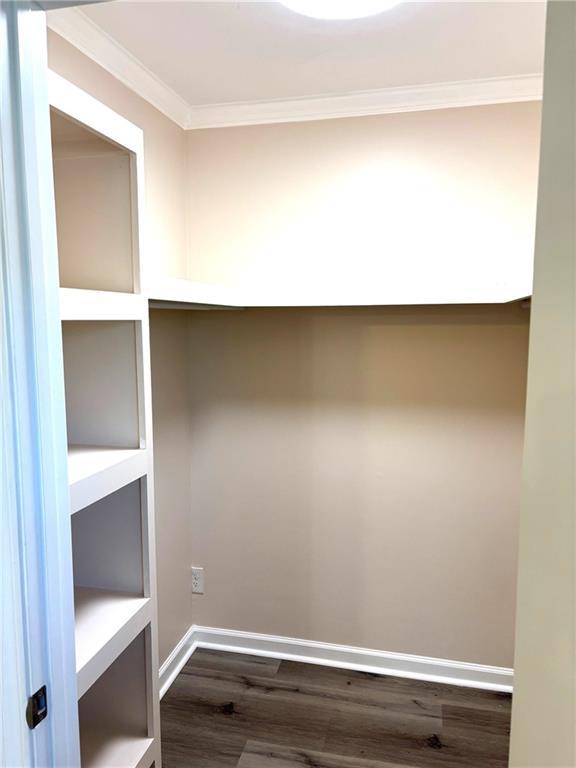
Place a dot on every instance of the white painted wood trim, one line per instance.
(81, 304)
(170, 669)
(169, 290)
(416, 98)
(73, 25)
(179, 294)
(100, 750)
(106, 623)
(75, 103)
(149, 535)
(330, 655)
(37, 611)
(94, 472)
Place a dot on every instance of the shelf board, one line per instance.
(96, 472)
(106, 623)
(174, 293)
(79, 304)
(187, 294)
(102, 749)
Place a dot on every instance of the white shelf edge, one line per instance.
(102, 750)
(106, 623)
(73, 102)
(95, 472)
(168, 291)
(82, 304)
(182, 294)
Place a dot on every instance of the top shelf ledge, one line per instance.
(80, 304)
(173, 293)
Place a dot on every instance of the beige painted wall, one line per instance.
(402, 208)
(355, 474)
(164, 150)
(171, 370)
(544, 710)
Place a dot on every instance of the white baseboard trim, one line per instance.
(170, 669)
(330, 655)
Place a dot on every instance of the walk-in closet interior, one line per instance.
(295, 347)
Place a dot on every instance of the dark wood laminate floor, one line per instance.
(226, 709)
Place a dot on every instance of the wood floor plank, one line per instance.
(187, 746)
(480, 721)
(240, 663)
(273, 717)
(214, 702)
(244, 704)
(380, 684)
(258, 754)
(332, 697)
(205, 698)
(228, 709)
(377, 737)
(344, 687)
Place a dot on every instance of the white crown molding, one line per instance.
(467, 93)
(73, 25)
(330, 655)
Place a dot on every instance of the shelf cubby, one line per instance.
(110, 585)
(106, 622)
(94, 208)
(105, 436)
(109, 542)
(101, 380)
(114, 716)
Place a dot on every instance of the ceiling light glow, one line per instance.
(339, 9)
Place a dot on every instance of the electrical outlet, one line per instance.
(197, 580)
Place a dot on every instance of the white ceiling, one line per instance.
(215, 52)
(230, 62)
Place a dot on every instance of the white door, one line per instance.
(36, 597)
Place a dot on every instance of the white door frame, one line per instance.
(36, 587)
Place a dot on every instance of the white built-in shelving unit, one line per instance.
(98, 177)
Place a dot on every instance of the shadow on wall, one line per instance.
(355, 475)
(361, 357)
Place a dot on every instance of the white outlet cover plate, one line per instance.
(197, 580)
